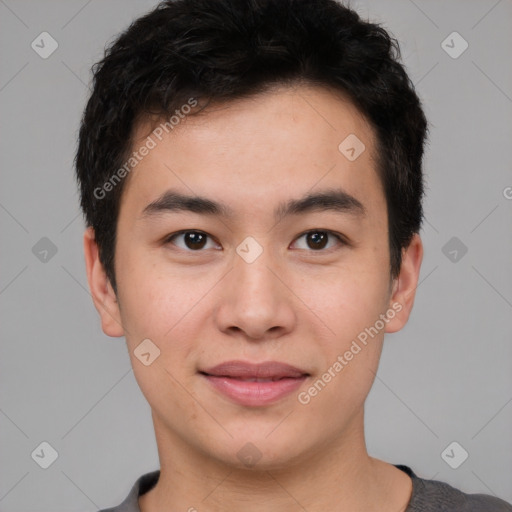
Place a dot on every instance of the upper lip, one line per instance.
(266, 370)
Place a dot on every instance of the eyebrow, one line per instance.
(336, 200)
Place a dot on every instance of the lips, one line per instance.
(268, 371)
(252, 384)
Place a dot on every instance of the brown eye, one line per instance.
(189, 240)
(317, 240)
(194, 240)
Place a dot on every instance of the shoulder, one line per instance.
(437, 496)
(143, 484)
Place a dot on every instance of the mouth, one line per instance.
(252, 384)
(269, 370)
(248, 379)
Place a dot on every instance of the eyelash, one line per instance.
(340, 238)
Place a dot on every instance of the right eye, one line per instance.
(191, 240)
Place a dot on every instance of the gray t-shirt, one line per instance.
(427, 496)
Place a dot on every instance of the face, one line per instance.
(283, 257)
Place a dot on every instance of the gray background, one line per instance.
(446, 377)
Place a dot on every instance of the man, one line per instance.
(251, 177)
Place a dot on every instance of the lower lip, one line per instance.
(254, 394)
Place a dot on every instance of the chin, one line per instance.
(260, 453)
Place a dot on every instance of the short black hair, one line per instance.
(222, 50)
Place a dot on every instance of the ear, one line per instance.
(404, 286)
(103, 295)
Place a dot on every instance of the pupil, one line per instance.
(195, 240)
(318, 238)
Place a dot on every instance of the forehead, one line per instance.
(266, 145)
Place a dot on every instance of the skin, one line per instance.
(294, 304)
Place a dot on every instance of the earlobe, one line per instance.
(103, 295)
(404, 286)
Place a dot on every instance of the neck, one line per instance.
(338, 477)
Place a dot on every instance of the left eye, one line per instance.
(318, 240)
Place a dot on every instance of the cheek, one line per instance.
(153, 304)
(350, 298)
(350, 307)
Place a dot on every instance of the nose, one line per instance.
(256, 302)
